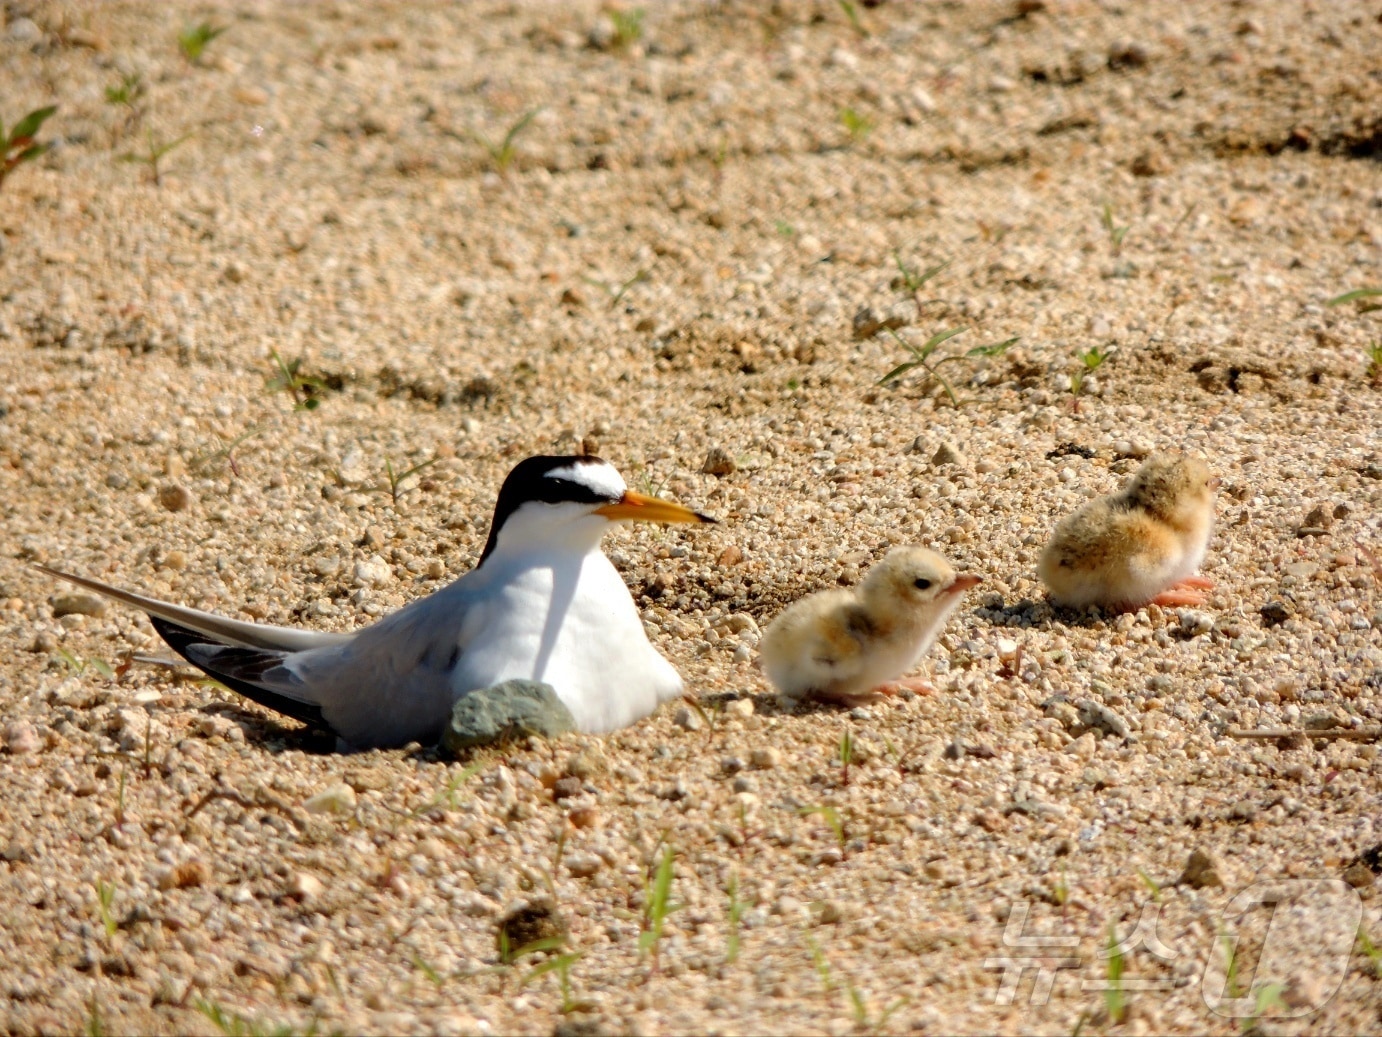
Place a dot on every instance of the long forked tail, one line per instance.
(242, 669)
(220, 628)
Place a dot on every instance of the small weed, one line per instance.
(1266, 998)
(1373, 952)
(784, 228)
(627, 26)
(288, 377)
(833, 821)
(105, 906)
(508, 954)
(232, 1024)
(428, 969)
(859, 1006)
(128, 94)
(911, 280)
(1090, 361)
(709, 717)
(561, 965)
(501, 155)
(1228, 946)
(657, 905)
(1153, 887)
(1116, 234)
(922, 357)
(618, 291)
(1356, 295)
(1115, 1000)
(394, 483)
(1374, 352)
(95, 1025)
(856, 124)
(78, 664)
(822, 964)
(153, 154)
(193, 40)
(846, 754)
(19, 146)
(856, 20)
(734, 914)
(1060, 889)
(445, 797)
(203, 462)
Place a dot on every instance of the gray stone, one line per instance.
(949, 453)
(1097, 717)
(1201, 871)
(509, 710)
(78, 603)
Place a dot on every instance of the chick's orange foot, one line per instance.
(918, 685)
(1189, 591)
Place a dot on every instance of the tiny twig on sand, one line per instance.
(262, 801)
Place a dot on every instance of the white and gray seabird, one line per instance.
(544, 603)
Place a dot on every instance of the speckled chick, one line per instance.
(850, 645)
(1137, 546)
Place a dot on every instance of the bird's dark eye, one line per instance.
(922, 584)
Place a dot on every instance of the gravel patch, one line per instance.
(286, 380)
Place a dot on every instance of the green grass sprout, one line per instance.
(193, 40)
(922, 357)
(19, 145)
(502, 154)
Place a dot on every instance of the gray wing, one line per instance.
(393, 682)
(219, 629)
(386, 685)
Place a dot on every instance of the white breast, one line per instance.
(571, 623)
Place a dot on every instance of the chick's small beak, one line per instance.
(638, 507)
(963, 582)
(1215, 483)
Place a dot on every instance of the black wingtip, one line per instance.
(179, 638)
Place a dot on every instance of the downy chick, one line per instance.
(1137, 546)
(850, 645)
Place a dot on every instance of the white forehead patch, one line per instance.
(602, 478)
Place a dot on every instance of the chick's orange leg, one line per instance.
(1202, 582)
(919, 685)
(1179, 596)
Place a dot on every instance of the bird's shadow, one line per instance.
(271, 734)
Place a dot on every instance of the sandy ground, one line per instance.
(698, 244)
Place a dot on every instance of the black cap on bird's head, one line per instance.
(579, 479)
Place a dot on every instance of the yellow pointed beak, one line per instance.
(637, 507)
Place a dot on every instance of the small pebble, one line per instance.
(305, 886)
(334, 799)
(21, 737)
(949, 454)
(719, 461)
(583, 865)
(78, 603)
(584, 816)
(175, 497)
(565, 788)
(1201, 871)
(765, 758)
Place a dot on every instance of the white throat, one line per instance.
(542, 531)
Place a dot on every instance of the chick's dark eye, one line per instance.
(922, 584)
